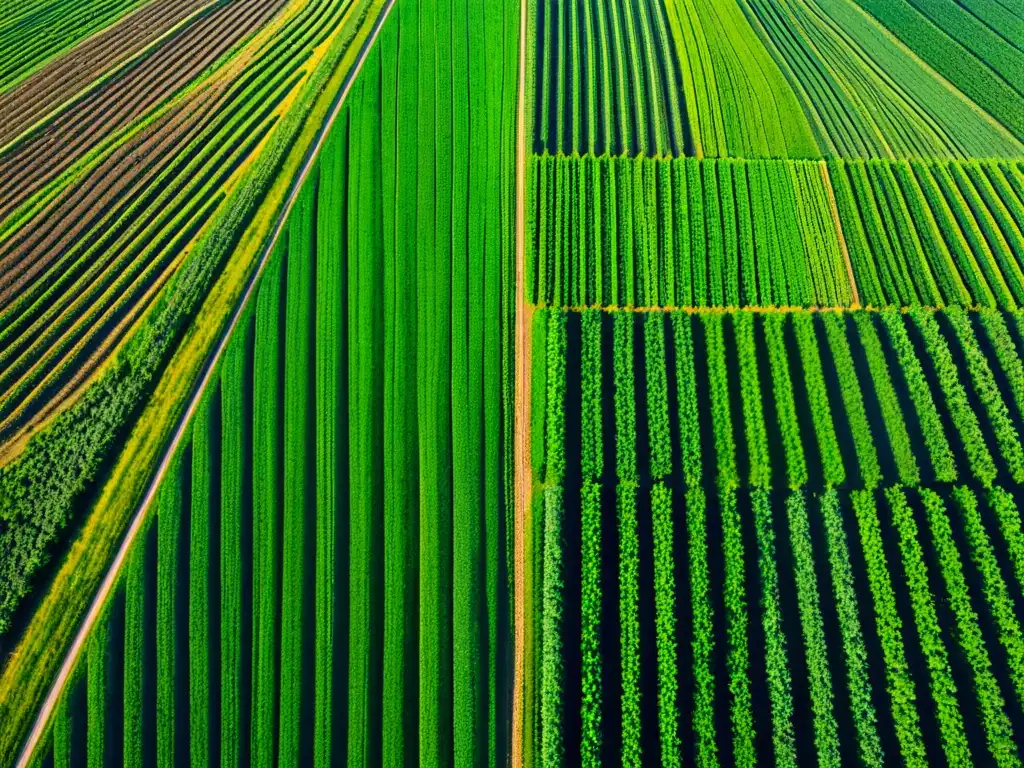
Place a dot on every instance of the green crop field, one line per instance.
(521, 382)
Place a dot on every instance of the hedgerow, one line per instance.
(960, 410)
(721, 416)
(921, 396)
(753, 406)
(1008, 515)
(856, 654)
(703, 630)
(1006, 352)
(657, 396)
(994, 587)
(853, 398)
(591, 439)
(629, 620)
(553, 673)
(665, 624)
(590, 624)
(888, 401)
(902, 696)
(686, 387)
(625, 398)
(817, 392)
(554, 419)
(785, 404)
(737, 623)
(988, 393)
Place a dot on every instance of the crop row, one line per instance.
(885, 396)
(597, 85)
(365, 596)
(791, 588)
(132, 287)
(753, 79)
(827, 593)
(933, 233)
(866, 95)
(813, 551)
(103, 53)
(610, 231)
(962, 49)
(34, 32)
(111, 112)
(83, 268)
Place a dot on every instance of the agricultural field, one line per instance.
(772, 257)
(327, 545)
(142, 229)
(731, 576)
(525, 382)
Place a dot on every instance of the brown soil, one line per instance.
(40, 157)
(62, 78)
(23, 259)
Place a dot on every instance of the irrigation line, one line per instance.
(96, 607)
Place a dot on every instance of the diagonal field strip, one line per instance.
(96, 607)
(115, 68)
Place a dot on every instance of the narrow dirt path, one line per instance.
(522, 406)
(854, 293)
(96, 607)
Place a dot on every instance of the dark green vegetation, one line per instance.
(813, 524)
(106, 269)
(773, 278)
(330, 553)
(800, 542)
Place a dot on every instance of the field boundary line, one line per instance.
(522, 408)
(96, 607)
(827, 179)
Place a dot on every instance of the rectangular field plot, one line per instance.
(778, 537)
(682, 232)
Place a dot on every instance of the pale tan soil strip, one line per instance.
(854, 293)
(522, 407)
(39, 727)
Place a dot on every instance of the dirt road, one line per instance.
(96, 607)
(522, 406)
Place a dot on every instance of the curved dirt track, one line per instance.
(96, 607)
